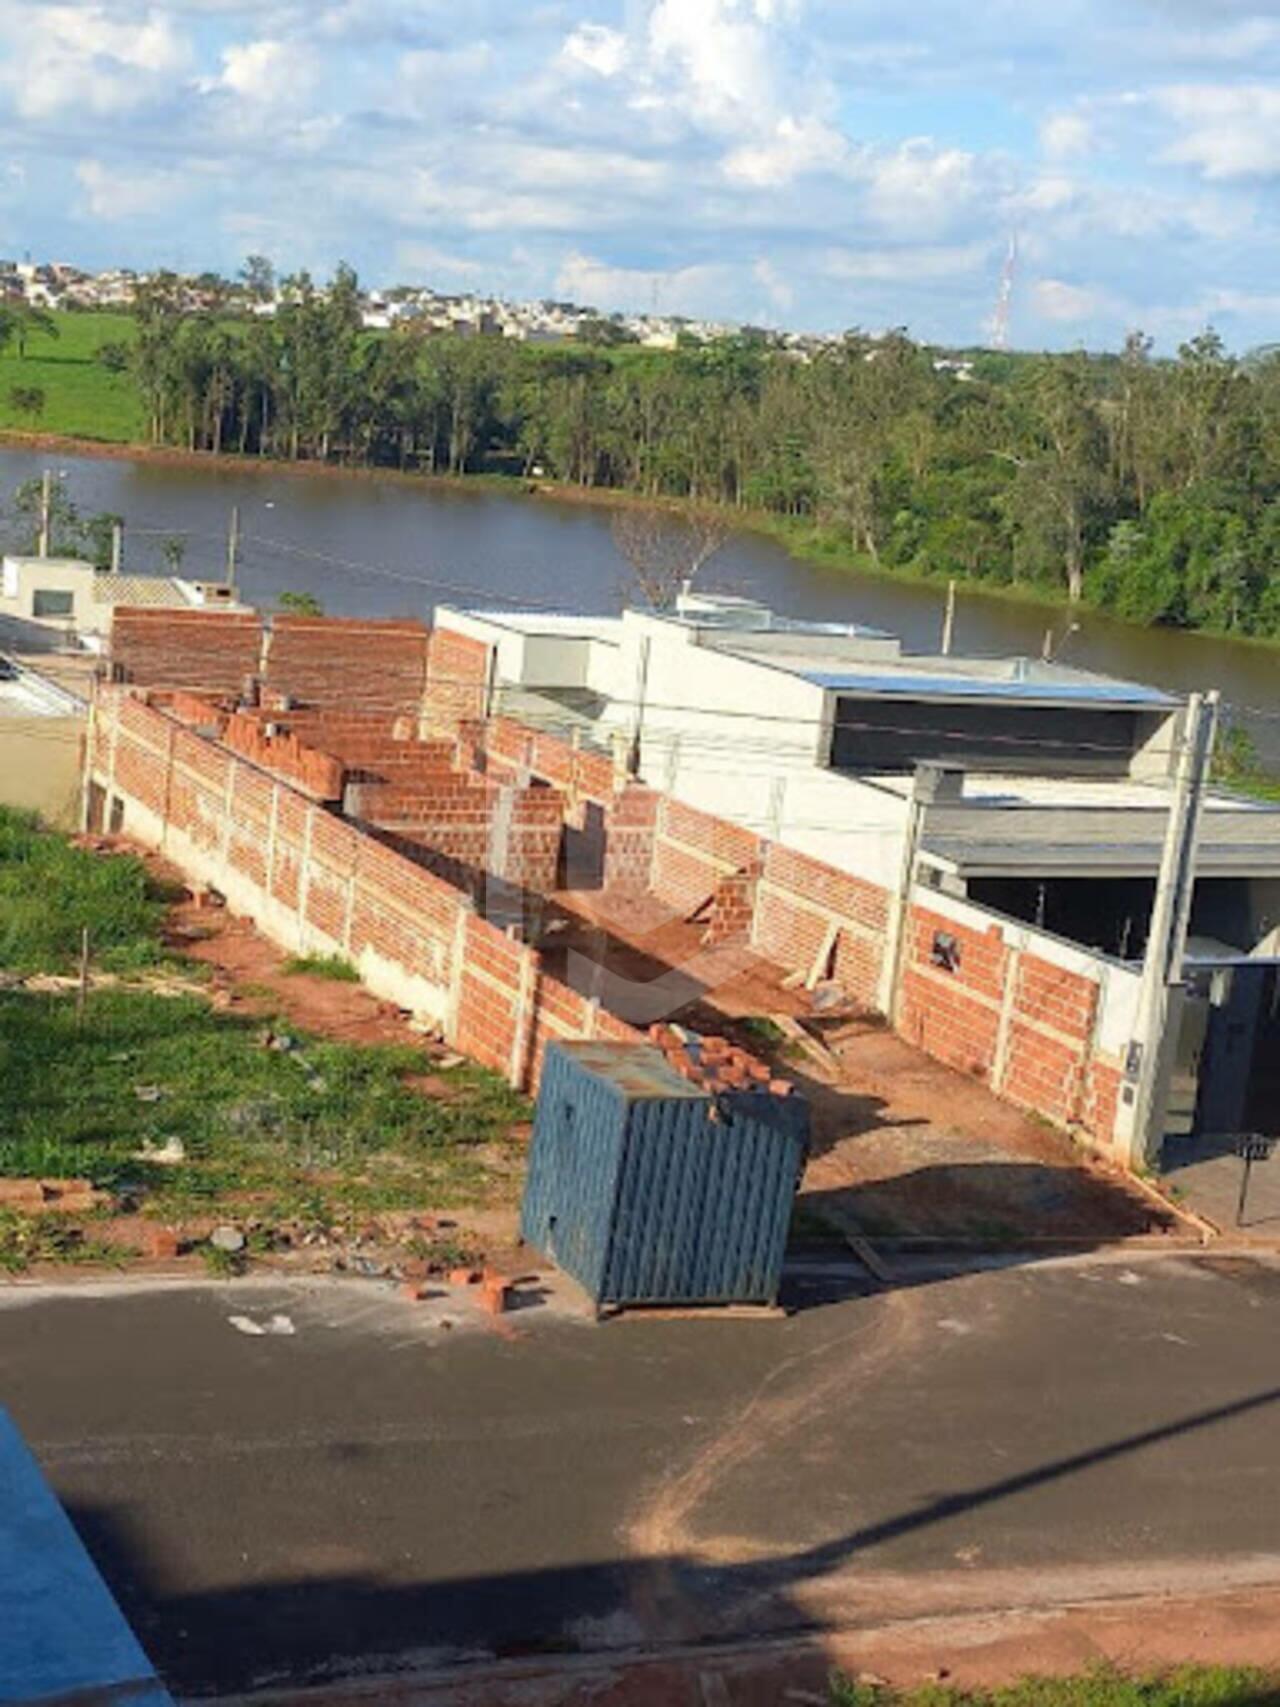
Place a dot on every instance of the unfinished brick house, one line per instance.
(402, 797)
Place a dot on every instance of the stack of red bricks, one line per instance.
(715, 1064)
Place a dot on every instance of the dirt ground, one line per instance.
(905, 1150)
(904, 1147)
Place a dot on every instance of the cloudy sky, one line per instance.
(812, 163)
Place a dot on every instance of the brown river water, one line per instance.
(393, 546)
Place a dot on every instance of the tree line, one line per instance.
(1147, 486)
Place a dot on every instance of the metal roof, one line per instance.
(1093, 690)
(1095, 841)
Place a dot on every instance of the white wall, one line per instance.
(23, 577)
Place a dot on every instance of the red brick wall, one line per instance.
(694, 853)
(1050, 1036)
(460, 816)
(953, 1015)
(581, 772)
(198, 649)
(1011, 1017)
(631, 828)
(340, 661)
(315, 773)
(798, 901)
(457, 676)
(245, 828)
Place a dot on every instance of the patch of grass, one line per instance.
(51, 891)
(82, 398)
(220, 1264)
(763, 1033)
(1187, 1686)
(26, 1239)
(322, 966)
(325, 1133)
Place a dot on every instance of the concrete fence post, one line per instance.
(457, 969)
(273, 825)
(525, 1015)
(90, 758)
(304, 877)
(1008, 1001)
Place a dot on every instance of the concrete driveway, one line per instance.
(376, 1490)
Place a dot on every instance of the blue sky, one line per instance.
(811, 163)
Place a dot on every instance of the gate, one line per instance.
(1237, 1076)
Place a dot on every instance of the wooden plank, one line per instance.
(869, 1257)
(814, 1047)
(692, 1312)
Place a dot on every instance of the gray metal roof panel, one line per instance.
(979, 687)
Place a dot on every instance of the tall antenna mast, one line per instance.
(1004, 297)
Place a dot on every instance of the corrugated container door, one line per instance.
(703, 1207)
(573, 1169)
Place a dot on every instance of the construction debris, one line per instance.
(713, 1063)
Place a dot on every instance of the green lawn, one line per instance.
(82, 399)
(320, 1132)
(50, 892)
(316, 1133)
(1189, 1686)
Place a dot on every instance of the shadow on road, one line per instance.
(321, 1626)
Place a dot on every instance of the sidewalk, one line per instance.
(969, 1651)
(1207, 1174)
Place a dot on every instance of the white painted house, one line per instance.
(73, 598)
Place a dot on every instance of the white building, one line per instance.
(74, 598)
(1053, 783)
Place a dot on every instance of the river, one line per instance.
(387, 546)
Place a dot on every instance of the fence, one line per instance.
(316, 884)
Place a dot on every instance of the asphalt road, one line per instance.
(379, 1489)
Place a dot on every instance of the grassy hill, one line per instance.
(82, 399)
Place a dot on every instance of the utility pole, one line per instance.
(1144, 1094)
(233, 547)
(46, 512)
(117, 547)
(949, 620)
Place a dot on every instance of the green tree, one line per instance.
(27, 401)
(300, 604)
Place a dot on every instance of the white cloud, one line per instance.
(1066, 135)
(794, 147)
(596, 47)
(779, 291)
(113, 193)
(428, 262)
(260, 71)
(919, 188)
(1229, 130)
(693, 290)
(722, 52)
(85, 58)
(910, 262)
(1067, 304)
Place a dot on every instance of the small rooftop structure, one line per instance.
(72, 596)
